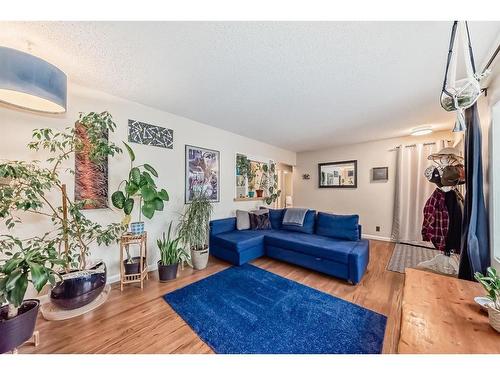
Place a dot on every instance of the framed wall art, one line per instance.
(202, 173)
(339, 174)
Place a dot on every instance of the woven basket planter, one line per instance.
(494, 316)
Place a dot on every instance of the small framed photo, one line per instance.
(380, 174)
(338, 174)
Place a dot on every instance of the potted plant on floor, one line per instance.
(28, 187)
(32, 261)
(140, 186)
(491, 283)
(171, 254)
(194, 228)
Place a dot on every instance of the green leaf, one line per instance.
(118, 199)
(148, 209)
(128, 206)
(158, 204)
(151, 170)
(130, 151)
(16, 296)
(135, 175)
(148, 193)
(14, 276)
(131, 188)
(162, 194)
(39, 276)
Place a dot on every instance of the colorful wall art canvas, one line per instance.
(91, 178)
(151, 135)
(202, 173)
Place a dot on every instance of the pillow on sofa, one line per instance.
(342, 227)
(307, 227)
(275, 217)
(259, 219)
(242, 220)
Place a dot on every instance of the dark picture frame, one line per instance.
(380, 173)
(201, 174)
(338, 174)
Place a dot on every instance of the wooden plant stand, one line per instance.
(126, 240)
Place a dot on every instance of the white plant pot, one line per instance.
(494, 316)
(199, 258)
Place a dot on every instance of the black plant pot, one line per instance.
(166, 273)
(79, 288)
(134, 267)
(15, 331)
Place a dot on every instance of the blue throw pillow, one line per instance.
(342, 227)
(276, 217)
(307, 227)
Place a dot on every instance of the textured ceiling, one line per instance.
(298, 85)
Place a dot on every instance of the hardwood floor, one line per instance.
(135, 321)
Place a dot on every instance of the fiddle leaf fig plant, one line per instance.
(140, 184)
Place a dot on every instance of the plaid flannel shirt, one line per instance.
(436, 220)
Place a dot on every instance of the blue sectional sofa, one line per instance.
(326, 243)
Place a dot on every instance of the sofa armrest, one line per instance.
(358, 260)
(222, 225)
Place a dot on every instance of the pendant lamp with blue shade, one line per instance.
(29, 82)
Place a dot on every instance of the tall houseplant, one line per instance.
(171, 254)
(27, 187)
(194, 228)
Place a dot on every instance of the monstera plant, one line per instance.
(140, 186)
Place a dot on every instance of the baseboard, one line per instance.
(379, 238)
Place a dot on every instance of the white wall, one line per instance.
(373, 201)
(16, 127)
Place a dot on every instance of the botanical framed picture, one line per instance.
(380, 174)
(338, 174)
(202, 173)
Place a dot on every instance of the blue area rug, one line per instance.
(249, 310)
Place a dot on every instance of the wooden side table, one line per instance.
(126, 240)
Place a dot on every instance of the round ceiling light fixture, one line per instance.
(29, 82)
(423, 130)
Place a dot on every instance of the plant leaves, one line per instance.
(128, 206)
(148, 209)
(151, 170)
(131, 188)
(148, 193)
(39, 276)
(135, 175)
(158, 202)
(118, 199)
(130, 151)
(162, 194)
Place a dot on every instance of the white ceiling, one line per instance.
(297, 85)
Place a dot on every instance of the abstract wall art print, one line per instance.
(151, 135)
(202, 173)
(91, 178)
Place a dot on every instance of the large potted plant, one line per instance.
(194, 228)
(139, 186)
(171, 254)
(28, 186)
(31, 261)
(491, 283)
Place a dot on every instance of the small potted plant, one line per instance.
(31, 261)
(171, 254)
(139, 185)
(491, 283)
(194, 228)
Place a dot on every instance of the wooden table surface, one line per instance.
(439, 315)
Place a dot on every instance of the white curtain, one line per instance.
(412, 191)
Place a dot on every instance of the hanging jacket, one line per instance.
(454, 207)
(436, 220)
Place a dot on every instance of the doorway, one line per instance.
(285, 184)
